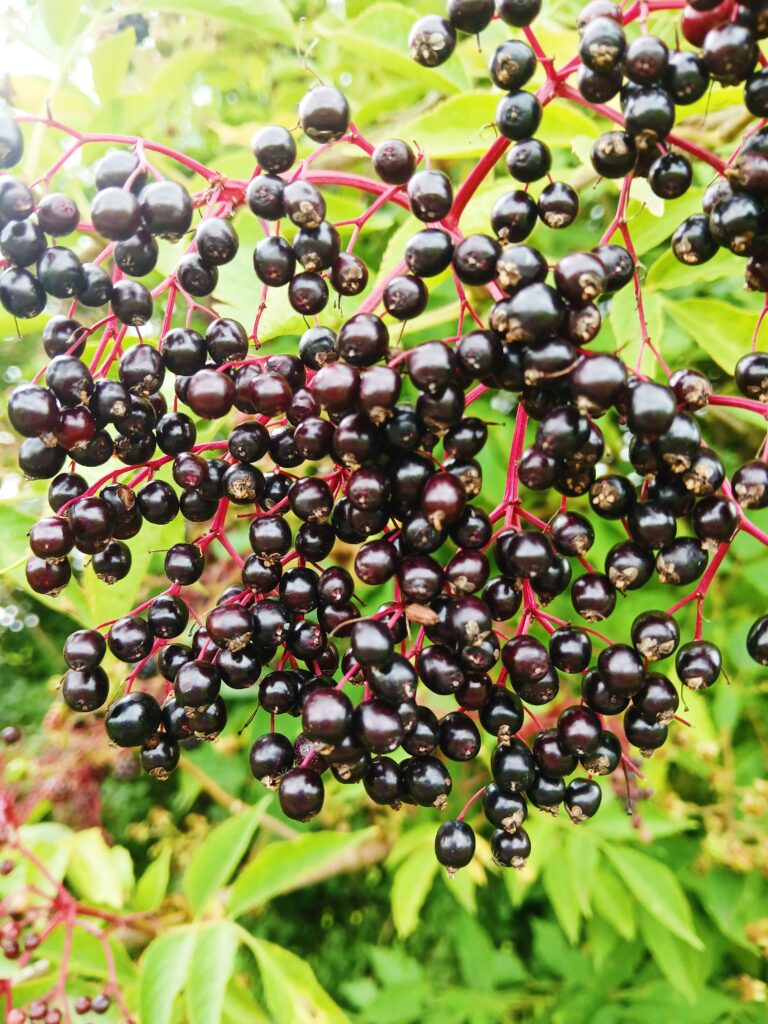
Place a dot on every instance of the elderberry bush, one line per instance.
(383, 581)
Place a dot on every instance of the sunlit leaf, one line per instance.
(283, 866)
(163, 972)
(269, 18)
(153, 884)
(291, 988)
(210, 968)
(381, 33)
(100, 873)
(656, 889)
(220, 853)
(723, 330)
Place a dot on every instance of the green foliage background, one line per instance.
(663, 916)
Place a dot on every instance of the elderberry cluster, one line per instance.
(351, 442)
(727, 34)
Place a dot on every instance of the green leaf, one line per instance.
(290, 864)
(562, 122)
(723, 330)
(667, 272)
(625, 322)
(730, 899)
(87, 955)
(163, 973)
(420, 836)
(460, 126)
(240, 1005)
(50, 842)
(62, 21)
(613, 823)
(219, 854)
(614, 904)
(559, 889)
(381, 32)
(292, 991)
(110, 61)
(410, 887)
(153, 884)
(684, 967)
(102, 874)
(474, 950)
(267, 17)
(711, 1006)
(463, 887)
(656, 890)
(211, 966)
(649, 229)
(568, 873)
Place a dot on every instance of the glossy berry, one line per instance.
(271, 756)
(643, 733)
(602, 45)
(729, 53)
(510, 850)
(582, 799)
(274, 149)
(607, 757)
(430, 194)
(529, 160)
(512, 65)
(57, 214)
(159, 756)
(454, 845)
(655, 634)
(470, 16)
(132, 719)
(431, 41)
(326, 715)
(324, 114)
(518, 115)
(426, 781)
(512, 765)
(459, 737)
(579, 730)
(301, 793)
(658, 698)
(505, 810)
(85, 689)
(518, 13)
(394, 161)
(698, 664)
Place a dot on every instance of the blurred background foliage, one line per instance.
(658, 914)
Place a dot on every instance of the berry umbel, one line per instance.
(388, 610)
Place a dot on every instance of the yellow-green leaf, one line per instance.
(460, 126)
(656, 890)
(381, 34)
(292, 991)
(220, 853)
(163, 973)
(290, 864)
(667, 272)
(410, 887)
(723, 330)
(685, 968)
(210, 968)
(153, 884)
(614, 904)
(267, 17)
(101, 874)
(110, 61)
